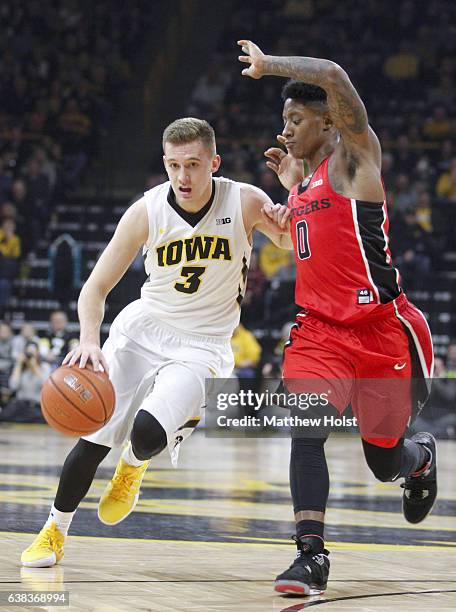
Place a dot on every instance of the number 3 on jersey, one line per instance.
(302, 239)
(193, 275)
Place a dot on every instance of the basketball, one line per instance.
(77, 401)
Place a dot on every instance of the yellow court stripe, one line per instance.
(449, 544)
(362, 545)
(241, 484)
(236, 510)
(259, 542)
(155, 541)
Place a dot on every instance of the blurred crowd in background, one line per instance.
(26, 360)
(63, 65)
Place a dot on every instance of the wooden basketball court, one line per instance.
(213, 534)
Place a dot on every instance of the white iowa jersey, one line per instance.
(196, 275)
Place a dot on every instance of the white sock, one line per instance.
(129, 457)
(61, 519)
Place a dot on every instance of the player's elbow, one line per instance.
(93, 291)
(336, 75)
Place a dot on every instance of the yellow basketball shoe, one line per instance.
(122, 493)
(46, 550)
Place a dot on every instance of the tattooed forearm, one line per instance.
(345, 106)
(308, 69)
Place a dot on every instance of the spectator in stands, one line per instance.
(272, 259)
(388, 169)
(272, 367)
(253, 304)
(26, 380)
(7, 211)
(299, 9)
(404, 158)
(48, 167)
(444, 91)
(18, 147)
(412, 249)
(75, 131)
(38, 187)
(403, 66)
(210, 88)
(451, 360)
(19, 196)
(405, 196)
(6, 360)
(58, 340)
(268, 182)
(438, 126)
(446, 184)
(439, 414)
(10, 251)
(246, 351)
(26, 335)
(28, 225)
(6, 178)
(446, 190)
(424, 211)
(240, 172)
(446, 154)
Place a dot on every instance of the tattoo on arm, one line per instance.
(346, 109)
(308, 69)
(345, 106)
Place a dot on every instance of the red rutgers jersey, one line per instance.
(344, 267)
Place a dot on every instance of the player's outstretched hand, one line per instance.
(85, 352)
(277, 217)
(289, 170)
(253, 56)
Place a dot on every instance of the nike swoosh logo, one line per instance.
(399, 366)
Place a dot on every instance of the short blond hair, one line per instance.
(189, 129)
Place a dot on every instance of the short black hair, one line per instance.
(303, 92)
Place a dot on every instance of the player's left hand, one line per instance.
(277, 218)
(253, 56)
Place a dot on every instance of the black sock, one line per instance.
(312, 534)
(414, 457)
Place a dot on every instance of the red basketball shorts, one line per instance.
(382, 366)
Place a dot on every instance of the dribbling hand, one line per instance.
(85, 352)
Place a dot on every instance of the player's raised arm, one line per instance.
(346, 108)
(131, 233)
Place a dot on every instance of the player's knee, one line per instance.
(384, 463)
(148, 438)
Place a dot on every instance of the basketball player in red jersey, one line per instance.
(357, 332)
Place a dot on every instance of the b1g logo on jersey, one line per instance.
(223, 221)
(364, 296)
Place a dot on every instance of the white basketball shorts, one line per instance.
(162, 370)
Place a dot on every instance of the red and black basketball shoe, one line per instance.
(420, 489)
(307, 575)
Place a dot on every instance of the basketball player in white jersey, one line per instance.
(196, 234)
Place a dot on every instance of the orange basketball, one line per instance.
(77, 401)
